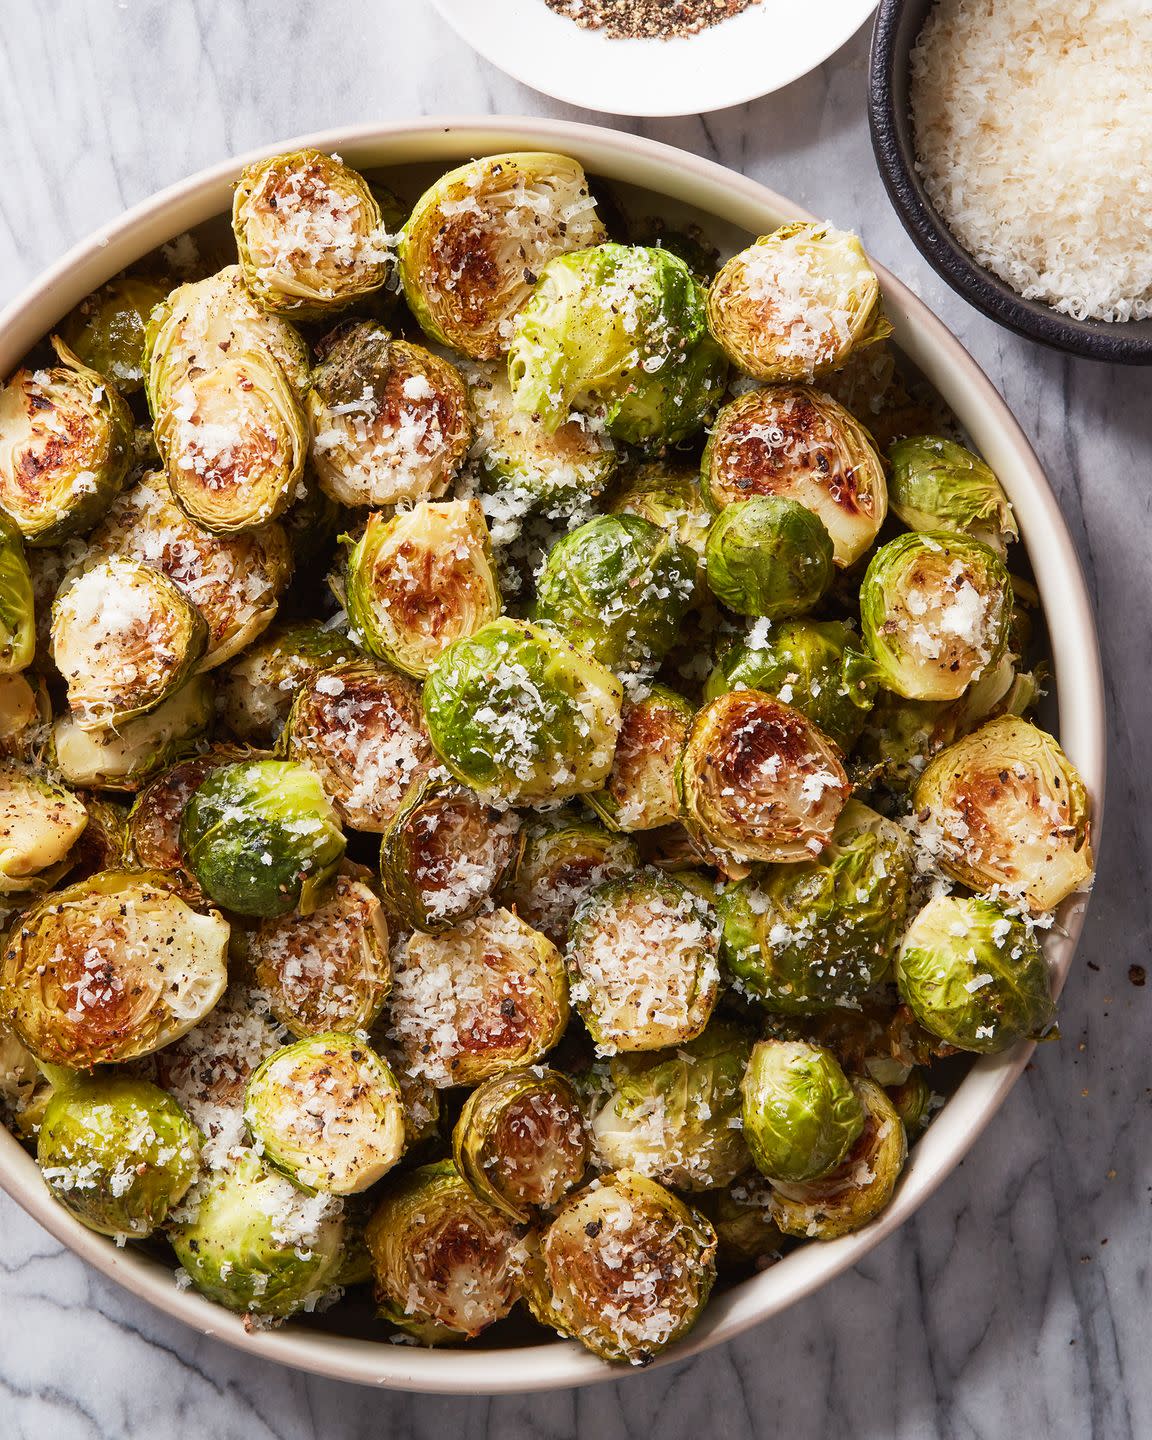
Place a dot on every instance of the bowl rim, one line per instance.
(742, 202)
(1113, 342)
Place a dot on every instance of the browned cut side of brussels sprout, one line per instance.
(564, 858)
(256, 692)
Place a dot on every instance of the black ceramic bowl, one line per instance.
(898, 23)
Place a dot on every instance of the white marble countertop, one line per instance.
(1017, 1302)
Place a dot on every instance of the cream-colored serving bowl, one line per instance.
(676, 182)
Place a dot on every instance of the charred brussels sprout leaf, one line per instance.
(419, 580)
(801, 1115)
(261, 837)
(117, 1153)
(256, 692)
(768, 556)
(563, 858)
(641, 789)
(106, 331)
(476, 241)
(936, 484)
(797, 302)
(39, 824)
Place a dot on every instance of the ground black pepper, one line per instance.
(648, 19)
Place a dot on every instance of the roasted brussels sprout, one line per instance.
(257, 1243)
(975, 975)
(126, 760)
(936, 484)
(256, 692)
(262, 838)
(799, 444)
(856, 1191)
(309, 234)
(521, 1142)
(642, 956)
(796, 302)
(935, 610)
(674, 1115)
(444, 1262)
(618, 587)
(741, 1215)
(617, 330)
(110, 969)
(117, 1153)
(624, 1267)
(564, 857)
(486, 997)
(420, 579)
(670, 498)
(812, 665)
(913, 1100)
(152, 831)
(768, 556)
(106, 331)
(807, 937)
(17, 605)
(476, 241)
(1005, 807)
(641, 790)
(25, 710)
(359, 727)
(801, 1114)
(65, 448)
(125, 638)
(235, 581)
(328, 970)
(327, 1112)
(444, 853)
(226, 383)
(758, 781)
(521, 715)
(39, 824)
(390, 420)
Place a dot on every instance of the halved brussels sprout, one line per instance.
(152, 839)
(801, 1114)
(1005, 807)
(564, 857)
(256, 692)
(812, 665)
(521, 1141)
(799, 444)
(390, 420)
(674, 1115)
(856, 1191)
(110, 969)
(444, 853)
(617, 329)
(17, 603)
(124, 761)
(641, 789)
(797, 302)
(444, 1262)
(670, 498)
(935, 610)
(624, 1267)
(420, 579)
(768, 556)
(553, 470)
(975, 975)
(642, 956)
(521, 715)
(328, 970)
(225, 386)
(807, 937)
(618, 587)
(758, 781)
(117, 1153)
(258, 1244)
(39, 824)
(309, 234)
(235, 581)
(25, 710)
(486, 997)
(327, 1112)
(125, 638)
(262, 838)
(741, 1215)
(359, 727)
(936, 484)
(65, 448)
(106, 330)
(476, 241)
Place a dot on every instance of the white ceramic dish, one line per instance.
(740, 205)
(752, 54)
